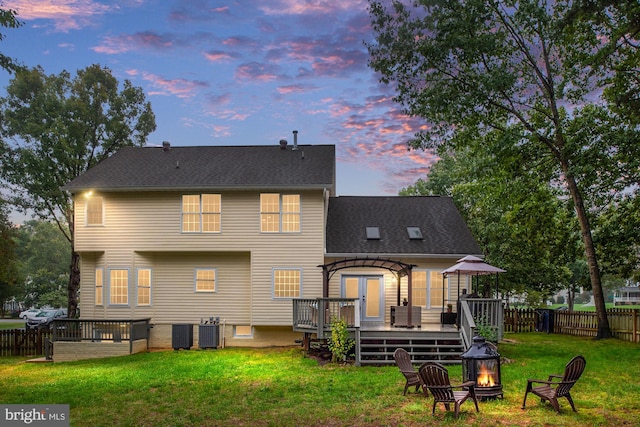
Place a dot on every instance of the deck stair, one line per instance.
(377, 347)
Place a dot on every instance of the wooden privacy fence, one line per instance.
(624, 323)
(20, 342)
(520, 320)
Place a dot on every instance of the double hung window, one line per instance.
(279, 213)
(201, 213)
(205, 280)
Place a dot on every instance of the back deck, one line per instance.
(376, 342)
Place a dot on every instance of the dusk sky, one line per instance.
(245, 72)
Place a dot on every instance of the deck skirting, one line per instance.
(67, 351)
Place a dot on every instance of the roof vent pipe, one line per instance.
(295, 140)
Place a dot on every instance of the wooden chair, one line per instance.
(557, 386)
(403, 360)
(436, 379)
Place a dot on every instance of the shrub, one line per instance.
(339, 344)
(484, 329)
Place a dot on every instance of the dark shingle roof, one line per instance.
(443, 228)
(223, 167)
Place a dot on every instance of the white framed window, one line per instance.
(205, 280)
(419, 287)
(94, 211)
(436, 291)
(201, 213)
(426, 288)
(279, 213)
(144, 286)
(119, 287)
(99, 280)
(287, 282)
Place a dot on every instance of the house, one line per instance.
(628, 295)
(182, 234)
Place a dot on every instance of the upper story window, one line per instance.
(94, 211)
(201, 213)
(279, 213)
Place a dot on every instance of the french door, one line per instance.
(370, 291)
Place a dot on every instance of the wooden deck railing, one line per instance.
(474, 311)
(306, 312)
(97, 330)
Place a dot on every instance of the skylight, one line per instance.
(373, 233)
(414, 233)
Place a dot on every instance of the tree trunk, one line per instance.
(592, 262)
(571, 294)
(74, 285)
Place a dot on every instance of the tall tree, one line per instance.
(520, 222)
(609, 48)
(9, 276)
(8, 20)
(54, 128)
(44, 262)
(500, 65)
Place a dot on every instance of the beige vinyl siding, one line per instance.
(143, 230)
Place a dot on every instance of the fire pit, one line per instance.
(481, 364)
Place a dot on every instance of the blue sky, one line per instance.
(244, 72)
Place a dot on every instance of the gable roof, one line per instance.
(444, 231)
(211, 167)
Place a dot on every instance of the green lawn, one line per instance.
(280, 387)
(17, 324)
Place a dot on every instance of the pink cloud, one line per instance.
(197, 10)
(131, 42)
(68, 15)
(307, 7)
(217, 131)
(256, 71)
(181, 88)
(219, 56)
(296, 88)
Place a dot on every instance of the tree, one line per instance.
(59, 127)
(609, 49)
(520, 222)
(9, 266)
(8, 20)
(44, 255)
(495, 65)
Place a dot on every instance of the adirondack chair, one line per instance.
(557, 386)
(403, 361)
(436, 378)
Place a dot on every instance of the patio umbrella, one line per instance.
(471, 265)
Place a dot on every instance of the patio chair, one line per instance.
(436, 379)
(557, 386)
(403, 360)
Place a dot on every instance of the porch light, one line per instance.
(88, 194)
(481, 364)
